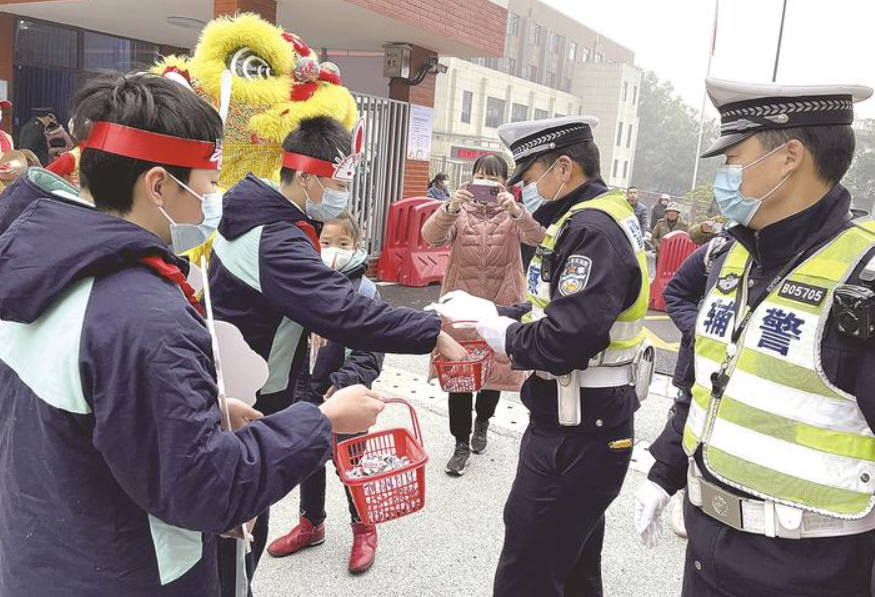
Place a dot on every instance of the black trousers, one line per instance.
(313, 495)
(226, 558)
(554, 517)
(724, 562)
(460, 411)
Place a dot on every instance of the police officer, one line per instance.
(580, 334)
(777, 450)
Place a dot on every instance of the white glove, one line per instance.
(494, 331)
(650, 502)
(458, 305)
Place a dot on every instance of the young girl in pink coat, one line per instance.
(485, 261)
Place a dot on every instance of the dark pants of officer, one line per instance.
(554, 517)
(226, 558)
(723, 562)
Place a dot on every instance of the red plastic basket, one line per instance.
(393, 494)
(466, 376)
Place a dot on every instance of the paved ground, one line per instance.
(451, 548)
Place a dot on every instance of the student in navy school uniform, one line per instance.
(334, 367)
(117, 476)
(268, 278)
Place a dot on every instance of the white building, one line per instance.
(553, 66)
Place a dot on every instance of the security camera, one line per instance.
(437, 67)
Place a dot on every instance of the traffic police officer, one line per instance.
(777, 450)
(581, 334)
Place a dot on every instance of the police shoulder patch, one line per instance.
(575, 275)
(728, 283)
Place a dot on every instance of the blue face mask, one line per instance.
(532, 197)
(185, 237)
(333, 204)
(727, 192)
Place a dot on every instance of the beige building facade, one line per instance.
(553, 66)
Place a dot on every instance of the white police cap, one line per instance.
(748, 108)
(530, 139)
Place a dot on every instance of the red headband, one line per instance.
(303, 163)
(154, 147)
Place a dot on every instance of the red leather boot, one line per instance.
(303, 535)
(364, 547)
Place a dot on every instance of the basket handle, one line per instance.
(417, 432)
(470, 324)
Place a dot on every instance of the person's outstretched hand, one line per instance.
(353, 409)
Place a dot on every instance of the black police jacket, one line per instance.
(577, 327)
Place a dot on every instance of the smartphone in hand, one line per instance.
(485, 191)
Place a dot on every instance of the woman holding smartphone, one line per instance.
(484, 226)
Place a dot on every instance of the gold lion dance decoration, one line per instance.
(263, 81)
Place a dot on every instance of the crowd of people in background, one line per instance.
(664, 218)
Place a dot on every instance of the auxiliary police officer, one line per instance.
(582, 336)
(777, 451)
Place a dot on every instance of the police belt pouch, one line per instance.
(638, 373)
(568, 398)
(642, 370)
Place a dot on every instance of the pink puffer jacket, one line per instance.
(485, 261)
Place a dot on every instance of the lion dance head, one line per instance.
(263, 81)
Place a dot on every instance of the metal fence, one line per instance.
(380, 176)
(459, 171)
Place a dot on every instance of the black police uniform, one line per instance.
(722, 561)
(568, 476)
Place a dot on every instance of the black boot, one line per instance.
(456, 465)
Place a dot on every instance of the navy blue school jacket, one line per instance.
(116, 474)
(268, 279)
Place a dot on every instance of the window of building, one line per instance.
(513, 24)
(629, 137)
(634, 94)
(619, 134)
(541, 114)
(53, 61)
(625, 169)
(625, 91)
(599, 57)
(519, 112)
(511, 65)
(494, 112)
(584, 55)
(554, 42)
(616, 166)
(551, 79)
(467, 100)
(572, 51)
(45, 45)
(533, 73)
(558, 115)
(535, 35)
(566, 85)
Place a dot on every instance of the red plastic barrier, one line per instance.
(422, 264)
(673, 251)
(397, 237)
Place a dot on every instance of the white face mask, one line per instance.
(185, 237)
(336, 258)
